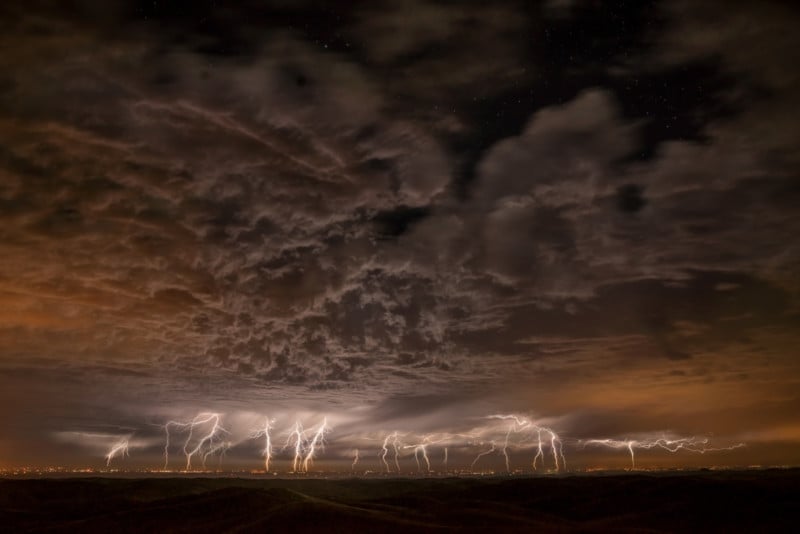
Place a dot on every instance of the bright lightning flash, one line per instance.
(695, 445)
(264, 433)
(120, 448)
(392, 439)
(318, 441)
(421, 449)
(481, 455)
(206, 444)
(305, 448)
(542, 433)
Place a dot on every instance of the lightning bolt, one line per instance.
(207, 439)
(516, 426)
(216, 448)
(166, 447)
(317, 441)
(385, 451)
(298, 434)
(519, 424)
(207, 444)
(633, 455)
(304, 448)
(481, 455)
(539, 451)
(392, 439)
(421, 449)
(692, 444)
(557, 448)
(120, 448)
(355, 460)
(264, 433)
(445, 460)
(396, 446)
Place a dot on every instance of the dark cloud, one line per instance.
(630, 198)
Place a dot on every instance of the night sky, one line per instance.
(405, 216)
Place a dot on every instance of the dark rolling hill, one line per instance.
(701, 502)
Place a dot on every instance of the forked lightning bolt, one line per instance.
(120, 448)
(481, 455)
(264, 433)
(305, 449)
(695, 445)
(556, 446)
(298, 435)
(318, 441)
(393, 440)
(208, 443)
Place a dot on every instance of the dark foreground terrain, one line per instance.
(708, 501)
